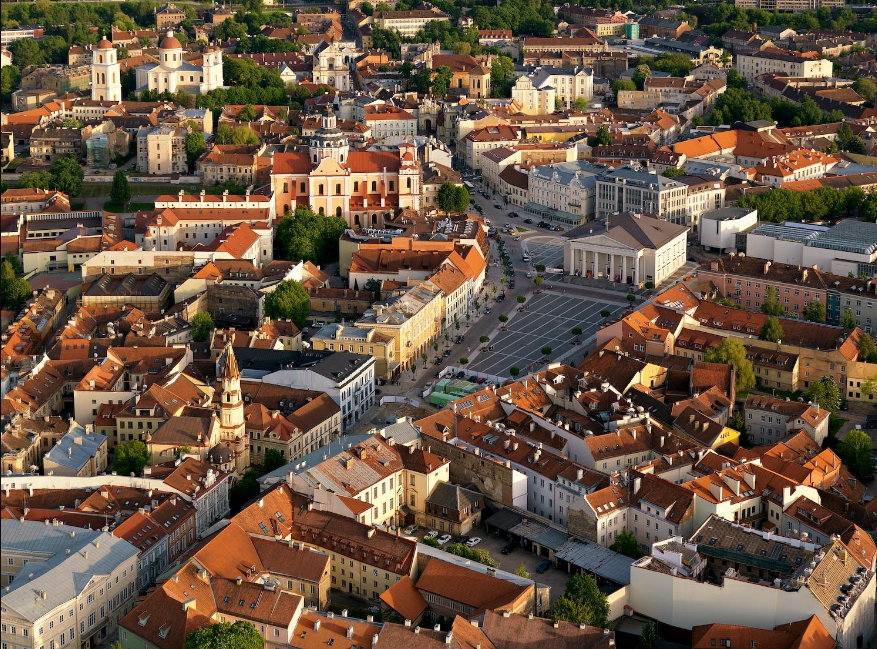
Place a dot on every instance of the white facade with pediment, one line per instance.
(173, 73)
(332, 66)
(602, 257)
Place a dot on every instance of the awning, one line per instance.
(551, 214)
(537, 532)
(504, 519)
(597, 560)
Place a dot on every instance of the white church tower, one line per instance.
(106, 77)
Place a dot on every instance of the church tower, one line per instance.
(329, 141)
(106, 77)
(231, 410)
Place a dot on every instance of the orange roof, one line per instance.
(405, 599)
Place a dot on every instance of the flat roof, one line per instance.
(596, 559)
(726, 213)
(849, 236)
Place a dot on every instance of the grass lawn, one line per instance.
(110, 206)
(15, 164)
(834, 424)
(520, 229)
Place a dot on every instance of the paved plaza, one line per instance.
(546, 250)
(548, 321)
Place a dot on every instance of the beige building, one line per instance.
(161, 150)
(541, 91)
(25, 441)
(783, 63)
(169, 15)
(485, 139)
(413, 320)
(77, 584)
(408, 23)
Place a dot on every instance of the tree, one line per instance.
(14, 291)
(605, 313)
(582, 603)
(672, 172)
(306, 236)
(464, 361)
(367, 8)
(580, 104)
(521, 571)
(247, 114)
(120, 191)
(27, 52)
(622, 84)
(289, 300)
(195, 146)
(867, 349)
(815, 312)
(848, 141)
(503, 317)
(732, 352)
(856, 452)
(696, 121)
(10, 77)
(869, 387)
(640, 75)
(771, 305)
(865, 88)
(824, 393)
(771, 330)
(70, 122)
(649, 637)
(67, 175)
(273, 460)
(738, 423)
(484, 339)
(514, 371)
(447, 197)
(521, 299)
(131, 457)
(224, 635)
(202, 325)
(626, 543)
(461, 199)
(848, 319)
(576, 331)
(441, 80)
(35, 180)
(244, 489)
(546, 350)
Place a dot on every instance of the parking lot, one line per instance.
(548, 321)
(548, 251)
(552, 577)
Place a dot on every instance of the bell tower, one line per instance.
(106, 76)
(231, 410)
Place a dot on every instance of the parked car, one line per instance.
(487, 310)
(497, 206)
(438, 360)
(447, 353)
(508, 549)
(461, 374)
(529, 274)
(528, 221)
(460, 339)
(444, 539)
(431, 534)
(462, 539)
(473, 542)
(410, 530)
(514, 215)
(545, 565)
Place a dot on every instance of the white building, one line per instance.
(719, 228)
(628, 189)
(538, 92)
(568, 187)
(63, 585)
(408, 23)
(106, 79)
(783, 63)
(766, 580)
(349, 379)
(173, 73)
(331, 65)
(631, 249)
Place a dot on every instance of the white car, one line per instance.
(529, 274)
(431, 535)
(473, 541)
(408, 531)
(444, 539)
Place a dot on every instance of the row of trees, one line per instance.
(14, 290)
(65, 175)
(778, 205)
(305, 235)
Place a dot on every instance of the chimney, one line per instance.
(350, 632)
(317, 626)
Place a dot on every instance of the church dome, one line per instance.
(104, 44)
(170, 43)
(219, 455)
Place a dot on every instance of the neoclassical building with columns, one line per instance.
(627, 248)
(173, 73)
(363, 187)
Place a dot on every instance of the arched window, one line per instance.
(356, 220)
(374, 219)
(408, 183)
(100, 59)
(338, 211)
(322, 212)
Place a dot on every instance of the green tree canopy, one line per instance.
(36, 180)
(289, 300)
(447, 197)
(626, 543)
(71, 122)
(582, 603)
(771, 305)
(225, 134)
(856, 452)
(603, 137)
(672, 172)
(771, 330)
(131, 457)
(307, 236)
(866, 88)
(848, 319)
(223, 635)
(67, 175)
(202, 325)
(521, 571)
(195, 146)
(10, 78)
(867, 349)
(273, 460)
(14, 291)
(815, 312)
(824, 393)
(732, 352)
(120, 190)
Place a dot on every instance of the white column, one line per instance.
(636, 269)
(611, 267)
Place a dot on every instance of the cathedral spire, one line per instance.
(228, 364)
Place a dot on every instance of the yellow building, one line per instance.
(359, 340)
(413, 320)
